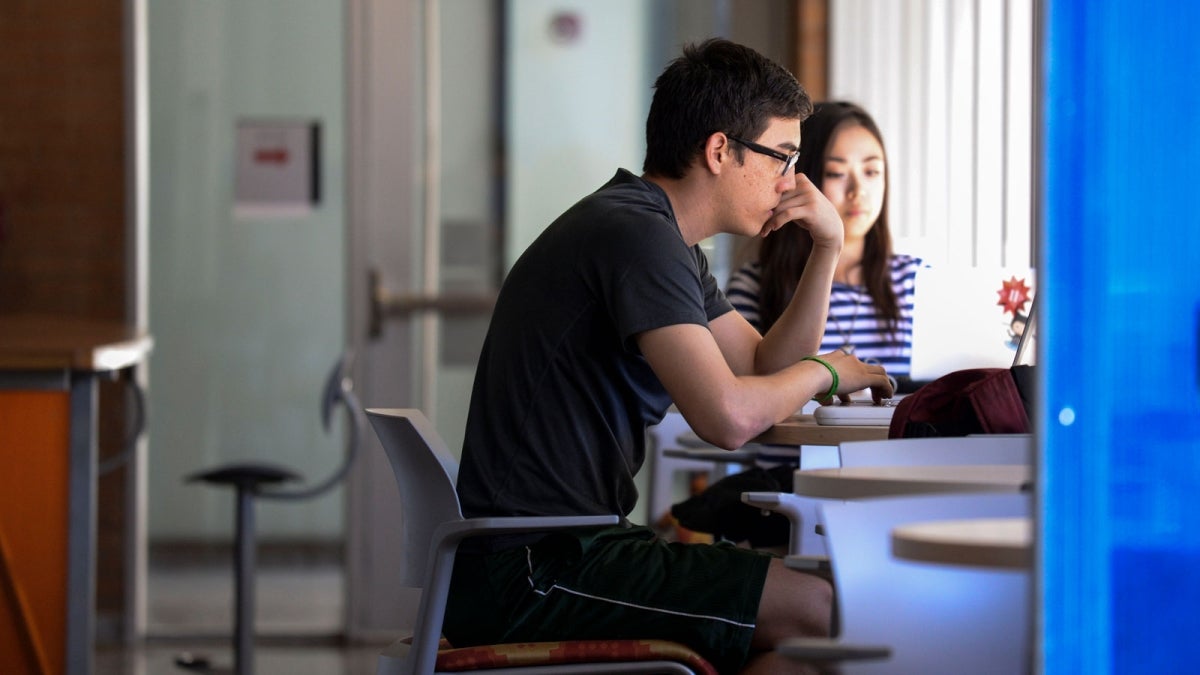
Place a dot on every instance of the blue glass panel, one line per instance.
(1119, 317)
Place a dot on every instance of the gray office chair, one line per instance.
(252, 480)
(434, 526)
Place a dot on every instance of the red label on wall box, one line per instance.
(271, 156)
(277, 165)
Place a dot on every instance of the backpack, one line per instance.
(972, 401)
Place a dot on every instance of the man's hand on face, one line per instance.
(810, 209)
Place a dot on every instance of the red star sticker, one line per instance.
(1013, 295)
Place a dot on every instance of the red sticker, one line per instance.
(1013, 295)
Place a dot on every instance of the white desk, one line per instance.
(979, 542)
(864, 482)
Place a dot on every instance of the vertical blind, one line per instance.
(950, 83)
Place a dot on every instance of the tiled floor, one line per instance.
(198, 599)
(157, 658)
(299, 624)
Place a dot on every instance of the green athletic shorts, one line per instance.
(612, 583)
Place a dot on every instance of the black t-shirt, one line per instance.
(562, 394)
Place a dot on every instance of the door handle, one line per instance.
(386, 304)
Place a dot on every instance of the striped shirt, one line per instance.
(852, 317)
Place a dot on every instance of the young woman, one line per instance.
(870, 305)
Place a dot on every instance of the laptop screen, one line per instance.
(970, 317)
(1027, 347)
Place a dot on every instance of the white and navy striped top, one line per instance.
(852, 317)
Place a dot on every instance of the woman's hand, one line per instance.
(812, 210)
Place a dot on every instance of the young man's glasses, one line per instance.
(789, 161)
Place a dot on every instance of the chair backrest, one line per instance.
(936, 618)
(983, 449)
(426, 474)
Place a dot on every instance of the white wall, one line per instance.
(575, 110)
(246, 312)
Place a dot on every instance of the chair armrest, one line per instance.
(390, 660)
(790, 505)
(827, 649)
(769, 501)
(782, 502)
(746, 456)
(454, 532)
(807, 563)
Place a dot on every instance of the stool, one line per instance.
(248, 479)
(245, 479)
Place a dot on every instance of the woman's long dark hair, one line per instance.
(784, 253)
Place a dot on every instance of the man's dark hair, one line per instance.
(714, 86)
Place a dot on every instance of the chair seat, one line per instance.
(249, 474)
(524, 654)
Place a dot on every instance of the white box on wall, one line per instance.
(277, 167)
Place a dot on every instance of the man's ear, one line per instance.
(718, 151)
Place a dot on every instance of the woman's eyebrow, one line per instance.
(835, 158)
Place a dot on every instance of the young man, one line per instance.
(609, 317)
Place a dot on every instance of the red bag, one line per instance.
(972, 401)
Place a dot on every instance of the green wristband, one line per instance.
(832, 371)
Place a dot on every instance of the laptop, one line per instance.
(962, 318)
(857, 413)
(970, 318)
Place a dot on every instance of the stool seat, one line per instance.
(246, 474)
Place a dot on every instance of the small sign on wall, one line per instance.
(277, 167)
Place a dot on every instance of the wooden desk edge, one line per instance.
(804, 430)
(916, 542)
(33, 343)
(867, 482)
